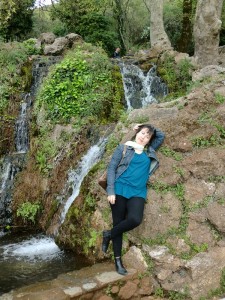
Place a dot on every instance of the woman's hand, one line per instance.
(136, 126)
(112, 199)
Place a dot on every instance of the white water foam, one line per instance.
(36, 248)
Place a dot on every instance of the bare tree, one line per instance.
(206, 31)
(158, 36)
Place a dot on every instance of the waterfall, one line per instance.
(75, 178)
(22, 126)
(14, 162)
(141, 89)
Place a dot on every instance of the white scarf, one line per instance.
(135, 145)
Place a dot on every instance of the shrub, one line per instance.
(28, 211)
(82, 85)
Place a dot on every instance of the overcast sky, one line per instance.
(43, 2)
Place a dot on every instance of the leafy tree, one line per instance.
(96, 28)
(42, 22)
(15, 18)
(172, 16)
(120, 8)
(137, 24)
(71, 11)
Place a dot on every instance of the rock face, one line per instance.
(184, 214)
(206, 31)
(62, 43)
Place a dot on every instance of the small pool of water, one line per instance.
(30, 258)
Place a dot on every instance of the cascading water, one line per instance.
(14, 162)
(75, 178)
(141, 89)
(22, 126)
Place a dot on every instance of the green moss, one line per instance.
(26, 73)
(176, 75)
(84, 84)
(52, 211)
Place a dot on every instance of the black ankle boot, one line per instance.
(106, 239)
(119, 266)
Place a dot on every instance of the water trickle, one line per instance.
(141, 89)
(22, 127)
(75, 178)
(10, 166)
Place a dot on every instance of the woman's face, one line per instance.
(143, 137)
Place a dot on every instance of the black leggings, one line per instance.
(127, 214)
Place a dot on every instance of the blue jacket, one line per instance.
(116, 167)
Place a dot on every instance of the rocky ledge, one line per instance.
(97, 282)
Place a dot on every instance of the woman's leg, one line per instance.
(127, 214)
(119, 211)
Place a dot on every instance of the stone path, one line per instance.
(71, 285)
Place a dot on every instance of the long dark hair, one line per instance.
(151, 130)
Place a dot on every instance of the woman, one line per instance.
(127, 177)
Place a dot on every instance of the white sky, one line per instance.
(43, 2)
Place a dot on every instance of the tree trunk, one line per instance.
(158, 36)
(186, 35)
(120, 11)
(206, 31)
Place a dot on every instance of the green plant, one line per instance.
(90, 201)
(164, 209)
(174, 295)
(201, 204)
(47, 150)
(219, 291)
(159, 292)
(205, 116)
(112, 143)
(31, 48)
(92, 241)
(163, 188)
(170, 153)
(221, 130)
(201, 142)
(217, 179)
(12, 57)
(83, 84)
(28, 211)
(221, 201)
(219, 98)
(176, 76)
(141, 119)
(178, 170)
(108, 290)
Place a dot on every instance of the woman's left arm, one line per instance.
(158, 139)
